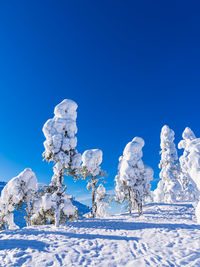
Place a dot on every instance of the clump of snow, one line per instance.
(19, 189)
(133, 179)
(91, 160)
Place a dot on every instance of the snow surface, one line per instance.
(165, 235)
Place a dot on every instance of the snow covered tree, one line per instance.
(191, 192)
(21, 189)
(190, 162)
(133, 179)
(60, 147)
(101, 202)
(44, 209)
(91, 171)
(169, 174)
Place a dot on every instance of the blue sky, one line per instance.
(132, 66)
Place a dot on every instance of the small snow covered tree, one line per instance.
(21, 189)
(101, 202)
(169, 174)
(191, 192)
(91, 171)
(133, 179)
(60, 147)
(44, 209)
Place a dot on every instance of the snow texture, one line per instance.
(166, 235)
(19, 189)
(169, 189)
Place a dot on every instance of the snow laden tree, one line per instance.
(169, 174)
(133, 178)
(19, 190)
(44, 209)
(91, 170)
(60, 147)
(191, 161)
(101, 200)
(191, 192)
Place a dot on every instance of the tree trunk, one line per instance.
(93, 200)
(129, 200)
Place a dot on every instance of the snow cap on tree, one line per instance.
(60, 136)
(91, 160)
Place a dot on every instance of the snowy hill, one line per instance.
(166, 235)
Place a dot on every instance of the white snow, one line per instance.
(166, 235)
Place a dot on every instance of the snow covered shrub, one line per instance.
(60, 147)
(133, 179)
(91, 171)
(191, 192)
(45, 207)
(21, 189)
(101, 202)
(169, 187)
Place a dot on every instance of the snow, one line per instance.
(165, 235)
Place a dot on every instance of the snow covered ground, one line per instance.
(166, 235)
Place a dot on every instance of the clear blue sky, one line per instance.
(132, 66)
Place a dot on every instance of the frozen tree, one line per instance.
(101, 202)
(44, 209)
(191, 192)
(190, 161)
(91, 171)
(133, 179)
(169, 174)
(21, 189)
(60, 147)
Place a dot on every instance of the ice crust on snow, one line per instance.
(91, 160)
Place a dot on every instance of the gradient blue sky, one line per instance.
(132, 66)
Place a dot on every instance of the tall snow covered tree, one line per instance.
(133, 179)
(91, 171)
(101, 200)
(191, 161)
(60, 147)
(21, 189)
(191, 192)
(169, 174)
